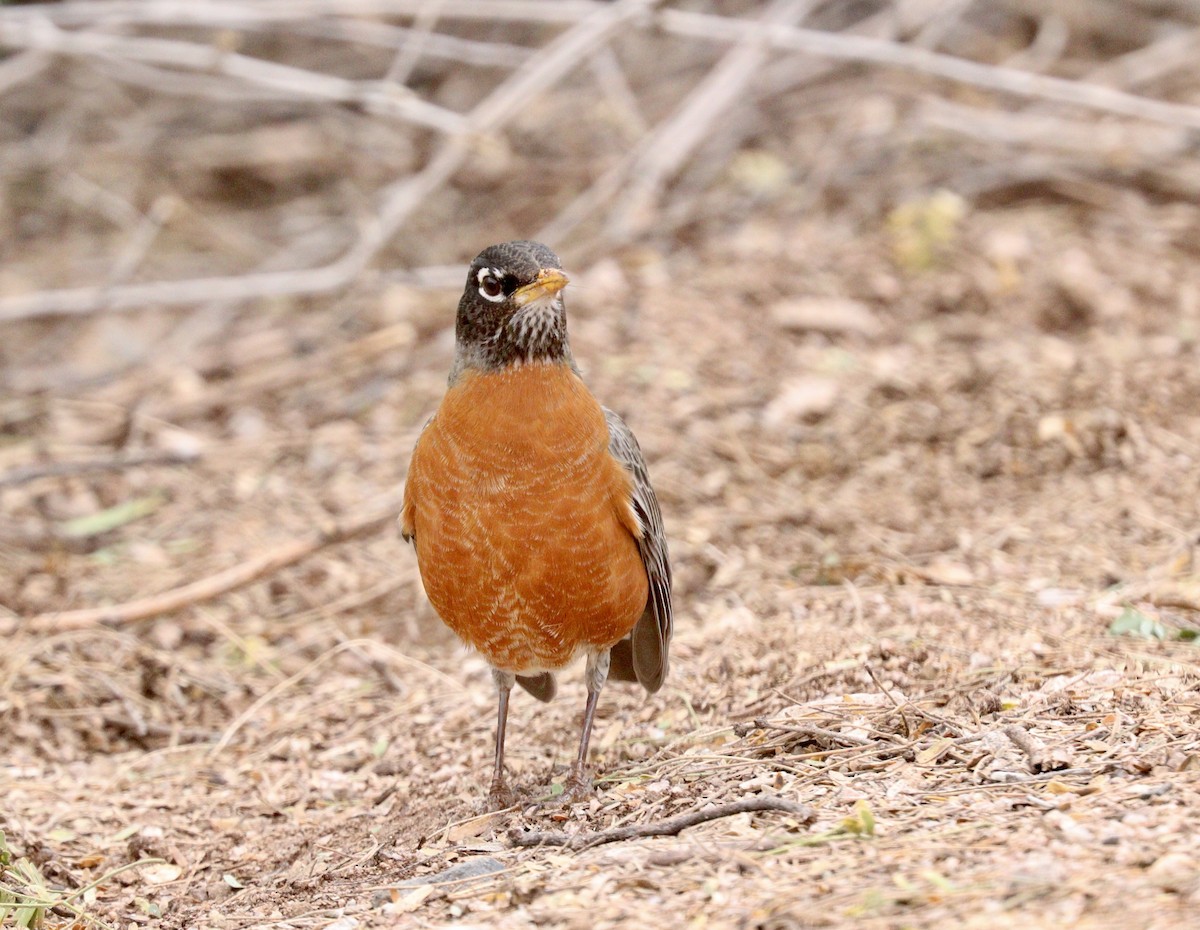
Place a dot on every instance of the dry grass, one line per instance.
(915, 370)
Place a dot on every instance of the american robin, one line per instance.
(538, 535)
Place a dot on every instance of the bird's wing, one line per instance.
(643, 656)
(407, 527)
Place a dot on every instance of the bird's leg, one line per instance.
(579, 784)
(500, 795)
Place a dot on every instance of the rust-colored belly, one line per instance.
(524, 532)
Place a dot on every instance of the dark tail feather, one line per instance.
(620, 666)
(641, 657)
(543, 686)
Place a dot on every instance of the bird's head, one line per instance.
(511, 311)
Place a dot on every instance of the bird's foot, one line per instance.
(578, 787)
(500, 796)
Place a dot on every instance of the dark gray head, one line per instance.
(511, 310)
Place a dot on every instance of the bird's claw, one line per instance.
(578, 787)
(500, 796)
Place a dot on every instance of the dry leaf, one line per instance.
(469, 829)
(929, 754)
(411, 901)
(159, 873)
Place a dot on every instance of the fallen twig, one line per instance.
(207, 588)
(1029, 744)
(1040, 759)
(808, 732)
(909, 705)
(142, 728)
(1013, 778)
(27, 473)
(670, 827)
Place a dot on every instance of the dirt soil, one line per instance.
(930, 469)
(899, 552)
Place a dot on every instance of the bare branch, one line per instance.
(961, 71)
(398, 201)
(1151, 62)
(383, 99)
(676, 138)
(779, 77)
(561, 56)
(82, 300)
(384, 35)
(17, 69)
(188, 12)
(410, 52)
(634, 183)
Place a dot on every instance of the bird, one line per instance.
(538, 535)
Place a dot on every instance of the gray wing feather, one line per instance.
(642, 657)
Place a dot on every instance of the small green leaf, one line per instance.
(1136, 624)
(112, 517)
(125, 833)
(861, 821)
(938, 880)
(148, 907)
(923, 230)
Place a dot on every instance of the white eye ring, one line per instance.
(488, 278)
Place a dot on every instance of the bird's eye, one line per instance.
(490, 286)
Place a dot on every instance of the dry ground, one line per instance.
(930, 466)
(932, 558)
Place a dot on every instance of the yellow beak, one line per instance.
(548, 283)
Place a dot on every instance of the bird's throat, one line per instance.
(536, 334)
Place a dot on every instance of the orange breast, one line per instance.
(524, 530)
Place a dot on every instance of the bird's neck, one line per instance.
(524, 339)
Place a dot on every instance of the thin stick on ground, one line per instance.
(808, 732)
(670, 827)
(212, 586)
(909, 705)
(1034, 749)
(28, 473)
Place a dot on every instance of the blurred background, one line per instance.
(901, 298)
(811, 240)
